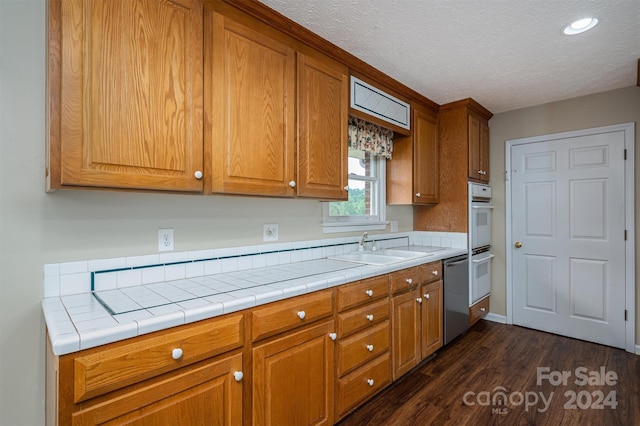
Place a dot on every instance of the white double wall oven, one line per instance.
(480, 209)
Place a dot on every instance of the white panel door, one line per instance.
(568, 215)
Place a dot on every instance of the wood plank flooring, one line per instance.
(494, 358)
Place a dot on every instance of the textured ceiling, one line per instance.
(506, 54)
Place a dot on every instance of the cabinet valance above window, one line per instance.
(370, 137)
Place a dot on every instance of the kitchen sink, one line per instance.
(380, 257)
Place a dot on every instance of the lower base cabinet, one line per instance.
(293, 378)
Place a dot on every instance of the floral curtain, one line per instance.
(370, 137)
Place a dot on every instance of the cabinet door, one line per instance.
(293, 379)
(426, 175)
(323, 103)
(484, 151)
(406, 333)
(431, 318)
(125, 94)
(474, 147)
(251, 134)
(205, 395)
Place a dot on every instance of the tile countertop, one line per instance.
(80, 321)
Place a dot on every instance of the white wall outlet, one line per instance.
(165, 239)
(394, 226)
(270, 232)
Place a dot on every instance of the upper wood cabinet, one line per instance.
(257, 148)
(413, 173)
(250, 81)
(323, 105)
(125, 94)
(478, 129)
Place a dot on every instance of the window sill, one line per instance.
(335, 227)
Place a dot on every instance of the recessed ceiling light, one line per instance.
(580, 26)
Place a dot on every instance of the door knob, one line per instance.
(518, 244)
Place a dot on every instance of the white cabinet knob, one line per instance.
(176, 353)
(418, 195)
(435, 273)
(370, 317)
(426, 295)
(370, 382)
(369, 293)
(409, 281)
(333, 336)
(301, 314)
(419, 300)
(346, 188)
(370, 348)
(483, 309)
(292, 184)
(198, 174)
(238, 375)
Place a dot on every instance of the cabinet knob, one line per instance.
(418, 194)
(292, 184)
(238, 375)
(369, 293)
(409, 281)
(346, 188)
(419, 300)
(176, 353)
(370, 348)
(198, 174)
(333, 336)
(435, 273)
(370, 317)
(370, 382)
(483, 309)
(426, 295)
(301, 315)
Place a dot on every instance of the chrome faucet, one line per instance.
(361, 245)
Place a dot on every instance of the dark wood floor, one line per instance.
(498, 358)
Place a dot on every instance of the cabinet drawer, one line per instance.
(431, 272)
(478, 310)
(291, 313)
(362, 384)
(355, 294)
(406, 279)
(360, 318)
(362, 347)
(104, 370)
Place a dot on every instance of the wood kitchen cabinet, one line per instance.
(125, 94)
(192, 373)
(463, 134)
(413, 173)
(417, 315)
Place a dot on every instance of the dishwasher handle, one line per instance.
(459, 262)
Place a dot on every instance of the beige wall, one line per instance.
(602, 109)
(38, 228)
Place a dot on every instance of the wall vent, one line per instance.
(375, 102)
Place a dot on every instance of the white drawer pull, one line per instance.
(176, 353)
(301, 315)
(435, 273)
(238, 375)
(426, 295)
(370, 317)
(370, 348)
(419, 300)
(333, 336)
(369, 293)
(409, 281)
(198, 174)
(483, 309)
(370, 382)
(292, 184)
(418, 195)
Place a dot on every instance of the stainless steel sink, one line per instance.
(380, 257)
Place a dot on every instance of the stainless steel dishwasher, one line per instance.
(456, 296)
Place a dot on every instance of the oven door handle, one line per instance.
(484, 259)
(482, 207)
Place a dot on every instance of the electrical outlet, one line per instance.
(165, 239)
(270, 232)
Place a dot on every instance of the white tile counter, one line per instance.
(152, 295)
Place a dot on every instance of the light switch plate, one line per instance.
(394, 226)
(270, 232)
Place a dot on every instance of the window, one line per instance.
(365, 209)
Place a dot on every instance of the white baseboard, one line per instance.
(502, 319)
